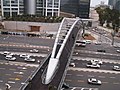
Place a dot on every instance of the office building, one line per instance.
(32, 7)
(115, 4)
(80, 8)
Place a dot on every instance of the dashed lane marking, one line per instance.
(93, 52)
(94, 70)
(19, 64)
(116, 83)
(105, 82)
(33, 46)
(104, 60)
(81, 81)
(68, 80)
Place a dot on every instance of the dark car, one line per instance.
(65, 86)
(101, 50)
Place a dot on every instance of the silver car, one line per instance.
(9, 57)
(94, 81)
(29, 59)
(116, 68)
(93, 65)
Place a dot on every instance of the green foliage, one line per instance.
(35, 18)
(109, 16)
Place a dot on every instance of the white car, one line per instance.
(9, 57)
(94, 81)
(24, 55)
(118, 51)
(6, 53)
(93, 65)
(97, 43)
(29, 59)
(72, 64)
(34, 50)
(96, 61)
(116, 68)
(88, 41)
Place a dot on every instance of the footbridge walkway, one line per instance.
(52, 72)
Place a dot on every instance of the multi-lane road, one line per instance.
(15, 73)
(77, 76)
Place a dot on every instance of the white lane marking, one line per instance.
(68, 74)
(116, 83)
(78, 75)
(94, 70)
(19, 72)
(2, 68)
(88, 59)
(1, 81)
(11, 82)
(101, 76)
(112, 77)
(92, 52)
(91, 76)
(24, 68)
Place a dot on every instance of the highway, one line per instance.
(77, 76)
(15, 73)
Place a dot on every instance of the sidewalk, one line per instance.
(106, 29)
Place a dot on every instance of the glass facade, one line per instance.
(11, 7)
(80, 8)
(40, 7)
(115, 4)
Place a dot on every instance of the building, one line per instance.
(77, 8)
(115, 4)
(80, 8)
(32, 7)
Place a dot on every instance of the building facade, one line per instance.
(115, 4)
(32, 7)
(80, 8)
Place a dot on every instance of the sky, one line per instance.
(96, 2)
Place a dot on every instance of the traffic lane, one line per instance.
(26, 40)
(104, 66)
(92, 47)
(24, 49)
(15, 75)
(79, 79)
(38, 60)
(100, 56)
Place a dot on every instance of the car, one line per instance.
(34, 51)
(24, 55)
(118, 51)
(94, 81)
(116, 68)
(97, 43)
(93, 65)
(72, 64)
(88, 41)
(11, 58)
(96, 61)
(29, 59)
(6, 53)
(65, 86)
(101, 50)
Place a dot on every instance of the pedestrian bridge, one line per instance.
(54, 68)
